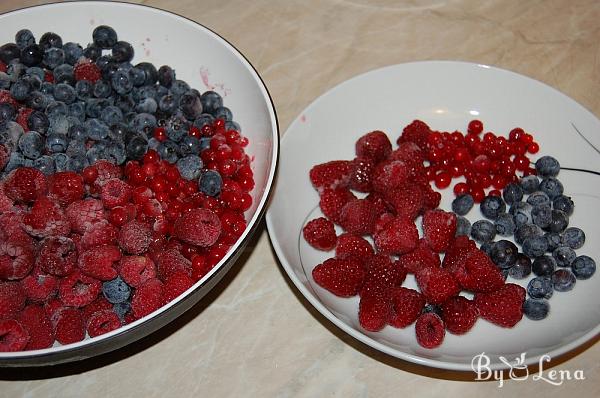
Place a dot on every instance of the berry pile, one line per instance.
(120, 187)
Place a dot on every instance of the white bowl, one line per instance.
(446, 95)
(206, 61)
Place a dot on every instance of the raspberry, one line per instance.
(417, 132)
(175, 285)
(382, 274)
(171, 261)
(57, 256)
(46, 218)
(474, 271)
(360, 177)
(87, 70)
(12, 299)
(147, 298)
(200, 227)
(134, 237)
(421, 257)
(379, 202)
(332, 201)
(407, 200)
(349, 245)
(12, 230)
(333, 174)
(439, 228)
(106, 171)
(25, 184)
(52, 306)
(320, 234)
(406, 306)
(459, 314)
(100, 304)
(98, 262)
(389, 174)
(78, 290)
(84, 213)
(430, 330)
(397, 236)
(431, 198)
(22, 117)
(436, 284)
(411, 155)
(68, 325)
(374, 310)
(383, 220)
(38, 326)
(65, 187)
(135, 270)
(342, 277)
(502, 307)
(115, 192)
(16, 260)
(6, 97)
(103, 322)
(13, 336)
(99, 234)
(358, 217)
(39, 286)
(374, 145)
(6, 203)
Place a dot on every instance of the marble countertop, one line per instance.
(254, 335)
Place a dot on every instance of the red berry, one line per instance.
(430, 330)
(374, 145)
(421, 257)
(320, 234)
(13, 336)
(461, 188)
(442, 180)
(102, 322)
(115, 192)
(417, 132)
(374, 311)
(515, 134)
(171, 261)
(200, 227)
(389, 174)
(68, 325)
(398, 236)
(332, 174)
(82, 214)
(349, 245)
(57, 256)
(475, 127)
(439, 228)
(175, 285)
(332, 201)
(459, 314)
(358, 217)
(99, 262)
(437, 284)
(101, 233)
(502, 307)
(406, 306)
(65, 187)
(12, 299)
(147, 298)
(25, 184)
(87, 70)
(342, 277)
(533, 147)
(39, 286)
(38, 326)
(16, 259)
(135, 270)
(134, 237)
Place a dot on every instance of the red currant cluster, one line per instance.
(487, 161)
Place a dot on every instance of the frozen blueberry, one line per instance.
(84, 89)
(92, 51)
(547, 166)
(137, 147)
(462, 204)
(540, 287)
(521, 212)
(483, 231)
(504, 253)
(167, 104)
(583, 267)
(204, 143)
(573, 237)
(73, 52)
(190, 167)
(535, 246)
(554, 240)
(122, 309)
(487, 248)
(543, 265)
(146, 105)
(505, 225)
(176, 128)
(204, 119)
(512, 193)
(7, 112)
(563, 280)
(9, 52)
(463, 226)
(53, 57)
(211, 101)
(223, 113)
(527, 231)
(144, 122)
(539, 198)
(45, 164)
(56, 143)
(77, 163)
(210, 183)
(541, 216)
(49, 40)
(104, 36)
(559, 221)
(436, 309)
(564, 256)
(491, 206)
(522, 267)
(31, 144)
(551, 187)
(96, 129)
(21, 90)
(102, 89)
(536, 309)
(150, 73)
(24, 38)
(190, 105)
(121, 82)
(189, 145)
(168, 150)
(39, 101)
(111, 115)
(31, 55)
(115, 153)
(65, 93)
(563, 203)
(166, 76)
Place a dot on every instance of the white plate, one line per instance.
(446, 95)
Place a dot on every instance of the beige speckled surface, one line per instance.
(254, 336)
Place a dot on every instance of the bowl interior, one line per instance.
(446, 95)
(200, 57)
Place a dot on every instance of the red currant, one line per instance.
(475, 127)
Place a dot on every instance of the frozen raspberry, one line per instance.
(407, 200)
(12, 299)
(459, 314)
(100, 304)
(46, 218)
(102, 322)
(134, 237)
(502, 307)
(87, 70)
(430, 330)
(16, 260)
(36, 322)
(103, 171)
(439, 228)
(360, 177)
(411, 155)
(473, 269)
(176, 284)
(98, 262)
(57, 256)
(13, 336)
(25, 184)
(358, 217)
(383, 220)
(320, 234)
(342, 277)
(65, 187)
(374, 310)
(388, 175)
(421, 257)
(78, 290)
(381, 205)
(417, 132)
(382, 274)
(147, 298)
(39, 286)
(200, 227)
(333, 174)
(6, 203)
(332, 201)
(431, 198)
(437, 284)
(172, 261)
(398, 236)
(22, 116)
(135, 270)
(84, 213)
(349, 245)
(68, 325)
(52, 306)
(458, 251)
(406, 306)
(4, 156)
(115, 192)
(99, 234)
(374, 145)
(6, 97)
